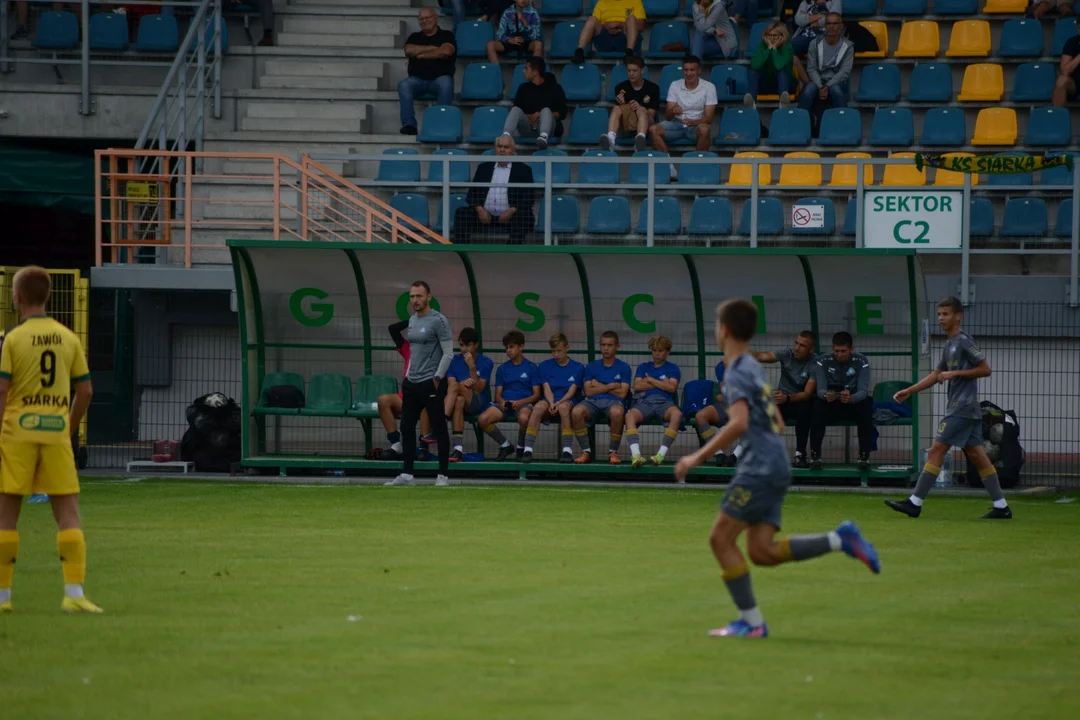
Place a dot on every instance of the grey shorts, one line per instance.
(960, 432)
(510, 415)
(754, 500)
(653, 407)
(600, 408)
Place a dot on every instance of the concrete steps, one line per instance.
(342, 84)
(331, 25)
(322, 40)
(314, 69)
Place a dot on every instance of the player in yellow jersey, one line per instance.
(39, 361)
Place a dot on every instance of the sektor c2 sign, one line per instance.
(913, 219)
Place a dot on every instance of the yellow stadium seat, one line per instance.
(995, 126)
(970, 38)
(903, 174)
(880, 31)
(740, 174)
(983, 82)
(948, 178)
(800, 174)
(847, 175)
(919, 39)
(1005, 7)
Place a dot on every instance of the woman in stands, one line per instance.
(714, 32)
(773, 67)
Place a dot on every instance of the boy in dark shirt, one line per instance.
(636, 103)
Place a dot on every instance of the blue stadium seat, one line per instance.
(668, 75)
(710, 216)
(661, 8)
(472, 38)
(571, 8)
(565, 214)
(581, 82)
(1010, 178)
(618, 76)
(481, 81)
(1021, 37)
(587, 124)
(756, 31)
(108, 31)
(412, 204)
(699, 173)
(1059, 176)
(789, 126)
(516, 81)
(441, 124)
(829, 226)
(57, 30)
(598, 173)
(157, 33)
(564, 39)
(1063, 224)
(665, 33)
(459, 171)
(944, 127)
(399, 170)
(982, 217)
(739, 126)
(668, 217)
(1048, 126)
(487, 124)
(720, 76)
(893, 127)
(953, 7)
(639, 172)
(903, 7)
(851, 217)
(560, 172)
(1024, 217)
(879, 83)
(472, 8)
(840, 126)
(860, 8)
(930, 82)
(587, 6)
(770, 219)
(1064, 29)
(1033, 82)
(609, 214)
(456, 200)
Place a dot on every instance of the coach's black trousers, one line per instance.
(861, 413)
(415, 398)
(798, 414)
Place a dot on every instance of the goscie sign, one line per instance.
(918, 220)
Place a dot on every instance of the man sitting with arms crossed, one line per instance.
(691, 105)
(655, 386)
(636, 103)
(517, 387)
(607, 385)
(467, 391)
(795, 393)
(561, 379)
(843, 393)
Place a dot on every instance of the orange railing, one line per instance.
(189, 203)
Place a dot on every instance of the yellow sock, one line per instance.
(71, 545)
(9, 550)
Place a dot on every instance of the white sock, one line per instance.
(753, 617)
(636, 136)
(396, 447)
(544, 135)
(674, 172)
(635, 449)
(662, 451)
(506, 444)
(528, 451)
(718, 452)
(834, 541)
(916, 501)
(5, 595)
(738, 451)
(73, 591)
(459, 448)
(407, 476)
(567, 448)
(612, 137)
(1001, 504)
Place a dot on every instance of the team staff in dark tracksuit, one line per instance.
(843, 393)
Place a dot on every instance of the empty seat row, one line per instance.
(59, 30)
(1020, 37)
(862, 8)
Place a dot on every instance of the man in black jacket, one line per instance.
(539, 105)
(502, 206)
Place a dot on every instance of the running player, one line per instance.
(561, 379)
(756, 494)
(39, 361)
(962, 364)
(655, 386)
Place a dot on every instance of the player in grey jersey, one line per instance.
(962, 364)
(756, 494)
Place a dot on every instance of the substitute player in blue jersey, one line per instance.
(561, 379)
(756, 494)
(656, 387)
(517, 387)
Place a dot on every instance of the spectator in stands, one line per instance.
(714, 33)
(517, 387)
(1069, 78)
(636, 103)
(389, 404)
(795, 392)
(22, 20)
(614, 24)
(466, 390)
(432, 55)
(561, 380)
(773, 66)
(519, 32)
(539, 105)
(810, 22)
(843, 393)
(499, 207)
(828, 67)
(691, 105)
(1042, 7)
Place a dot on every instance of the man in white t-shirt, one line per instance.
(691, 105)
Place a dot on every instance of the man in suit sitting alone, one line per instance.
(501, 207)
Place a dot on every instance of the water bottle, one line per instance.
(944, 478)
(731, 86)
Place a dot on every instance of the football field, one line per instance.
(259, 601)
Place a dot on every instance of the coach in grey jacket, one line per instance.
(828, 64)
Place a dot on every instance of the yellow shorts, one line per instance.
(28, 468)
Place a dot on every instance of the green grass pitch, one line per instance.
(257, 601)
